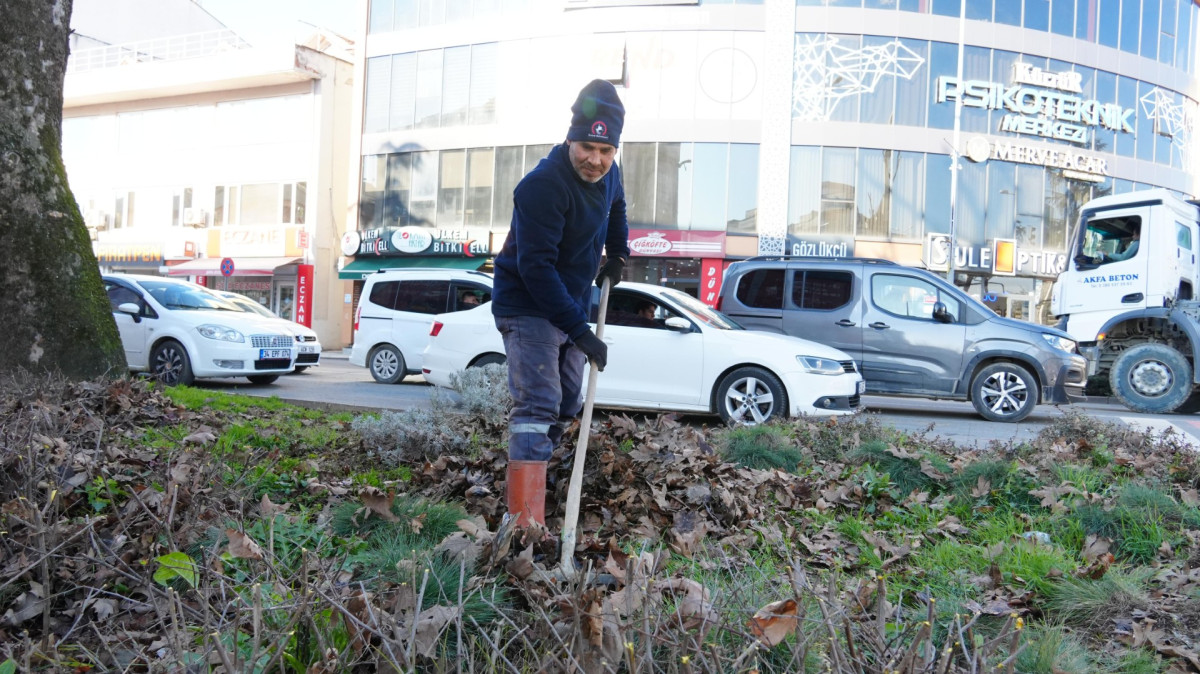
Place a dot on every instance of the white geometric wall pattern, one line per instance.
(826, 72)
(1169, 117)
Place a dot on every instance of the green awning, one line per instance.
(361, 268)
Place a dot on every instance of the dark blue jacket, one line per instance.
(560, 224)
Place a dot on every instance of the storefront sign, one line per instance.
(712, 272)
(252, 241)
(302, 239)
(1038, 103)
(1074, 164)
(128, 254)
(676, 243)
(1001, 257)
(402, 241)
(350, 242)
(304, 281)
(820, 246)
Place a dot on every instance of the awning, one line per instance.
(361, 268)
(242, 266)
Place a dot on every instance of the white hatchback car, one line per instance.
(308, 347)
(391, 325)
(669, 351)
(179, 331)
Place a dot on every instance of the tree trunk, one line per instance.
(55, 313)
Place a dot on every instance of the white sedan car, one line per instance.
(308, 347)
(669, 351)
(179, 331)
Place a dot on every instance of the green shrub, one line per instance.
(1092, 604)
(421, 519)
(412, 436)
(484, 393)
(906, 473)
(764, 447)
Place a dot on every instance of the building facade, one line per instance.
(812, 127)
(187, 149)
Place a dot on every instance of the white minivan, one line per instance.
(391, 325)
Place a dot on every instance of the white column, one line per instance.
(774, 151)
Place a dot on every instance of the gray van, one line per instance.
(911, 332)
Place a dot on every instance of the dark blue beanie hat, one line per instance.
(598, 114)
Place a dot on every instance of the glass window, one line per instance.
(1104, 139)
(1109, 22)
(1183, 236)
(1144, 127)
(937, 193)
(804, 191)
(429, 88)
(980, 10)
(375, 103)
(1183, 36)
(709, 198)
(456, 85)
(423, 297)
(910, 297)
(1055, 225)
(422, 206)
(673, 185)
(458, 10)
(1002, 200)
(1127, 98)
(406, 14)
(301, 202)
(972, 185)
(943, 61)
(404, 91)
(450, 188)
(431, 12)
(637, 173)
(483, 84)
(822, 290)
(479, 186)
(872, 194)
(877, 105)
(399, 186)
(1037, 14)
(1062, 17)
(381, 17)
(118, 295)
(287, 204)
(1130, 16)
(1166, 46)
(1150, 29)
(383, 294)
(762, 289)
(912, 94)
(837, 191)
(741, 213)
(908, 196)
(1028, 224)
(509, 171)
(260, 204)
(219, 204)
(977, 65)
(1008, 12)
(534, 154)
(1085, 20)
(947, 7)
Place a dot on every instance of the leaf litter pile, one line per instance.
(140, 534)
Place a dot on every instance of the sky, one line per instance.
(262, 22)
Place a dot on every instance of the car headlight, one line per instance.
(220, 332)
(816, 365)
(1061, 343)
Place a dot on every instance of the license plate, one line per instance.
(264, 354)
(308, 349)
(862, 387)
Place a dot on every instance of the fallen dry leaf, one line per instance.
(379, 503)
(772, 623)
(1094, 547)
(242, 546)
(269, 509)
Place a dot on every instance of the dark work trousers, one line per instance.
(545, 378)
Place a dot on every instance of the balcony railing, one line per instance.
(174, 48)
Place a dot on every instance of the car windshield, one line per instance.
(700, 311)
(186, 296)
(250, 306)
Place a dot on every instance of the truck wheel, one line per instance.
(1190, 406)
(1153, 378)
(1004, 392)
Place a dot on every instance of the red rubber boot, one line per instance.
(525, 491)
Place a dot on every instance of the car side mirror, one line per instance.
(132, 309)
(941, 314)
(678, 324)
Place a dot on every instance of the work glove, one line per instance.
(612, 271)
(593, 348)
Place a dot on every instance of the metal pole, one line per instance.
(954, 150)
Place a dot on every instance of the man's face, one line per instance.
(591, 161)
